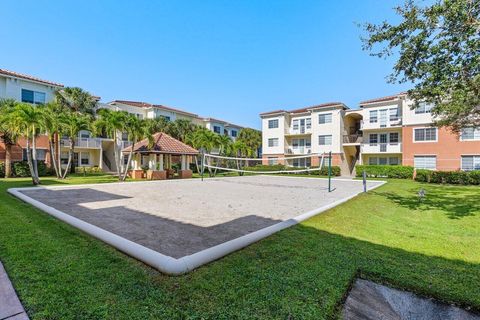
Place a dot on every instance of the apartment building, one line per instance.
(383, 131)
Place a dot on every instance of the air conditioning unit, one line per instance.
(309, 150)
(289, 151)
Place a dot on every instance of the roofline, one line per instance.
(150, 105)
(17, 75)
(382, 99)
(306, 109)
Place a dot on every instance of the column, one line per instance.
(100, 163)
(184, 162)
(152, 162)
(160, 161)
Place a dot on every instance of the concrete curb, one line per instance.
(10, 305)
(164, 263)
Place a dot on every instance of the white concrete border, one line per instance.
(164, 263)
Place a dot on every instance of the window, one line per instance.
(165, 117)
(470, 163)
(393, 161)
(325, 140)
(64, 157)
(30, 96)
(470, 134)
(233, 133)
(124, 136)
(84, 158)
(372, 161)
(423, 107)
(325, 118)
(272, 161)
(308, 123)
(373, 138)
(272, 124)
(425, 162)
(394, 114)
(41, 154)
(144, 160)
(216, 129)
(382, 161)
(373, 116)
(302, 163)
(295, 125)
(84, 134)
(273, 142)
(425, 134)
(394, 137)
(139, 116)
(125, 159)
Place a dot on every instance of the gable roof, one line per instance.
(141, 104)
(382, 99)
(163, 143)
(302, 110)
(27, 77)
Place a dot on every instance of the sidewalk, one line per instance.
(10, 306)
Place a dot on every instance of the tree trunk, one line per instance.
(34, 153)
(58, 151)
(8, 160)
(124, 177)
(35, 180)
(53, 157)
(70, 156)
(116, 154)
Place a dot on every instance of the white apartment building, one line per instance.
(383, 131)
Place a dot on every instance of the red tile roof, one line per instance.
(301, 110)
(383, 99)
(27, 77)
(163, 143)
(149, 105)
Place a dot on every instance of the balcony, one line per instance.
(298, 150)
(299, 131)
(352, 138)
(380, 123)
(91, 143)
(381, 148)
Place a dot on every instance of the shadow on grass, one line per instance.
(455, 202)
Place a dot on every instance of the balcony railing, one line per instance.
(393, 147)
(380, 123)
(83, 143)
(298, 150)
(352, 138)
(300, 130)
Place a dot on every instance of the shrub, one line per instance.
(449, 177)
(2, 169)
(94, 169)
(20, 169)
(385, 171)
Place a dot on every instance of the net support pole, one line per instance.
(202, 165)
(364, 175)
(330, 171)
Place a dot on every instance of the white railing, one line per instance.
(84, 143)
(381, 147)
(300, 130)
(380, 123)
(298, 150)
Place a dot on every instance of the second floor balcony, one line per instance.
(298, 150)
(380, 123)
(91, 143)
(392, 147)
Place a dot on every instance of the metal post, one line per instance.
(330, 171)
(364, 175)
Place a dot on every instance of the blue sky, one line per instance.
(225, 59)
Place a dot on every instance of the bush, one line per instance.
(281, 167)
(20, 169)
(94, 169)
(449, 177)
(2, 169)
(385, 171)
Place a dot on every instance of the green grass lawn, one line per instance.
(432, 248)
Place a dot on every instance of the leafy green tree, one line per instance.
(8, 133)
(51, 117)
(26, 119)
(252, 139)
(438, 50)
(155, 125)
(71, 125)
(136, 131)
(112, 123)
(180, 129)
(76, 99)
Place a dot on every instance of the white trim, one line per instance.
(164, 263)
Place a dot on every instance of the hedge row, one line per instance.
(20, 169)
(280, 167)
(385, 171)
(93, 169)
(449, 177)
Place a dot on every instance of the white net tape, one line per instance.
(212, 161)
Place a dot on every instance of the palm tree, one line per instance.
(204, 139)
(136, 131)
(76, 99)
(252, 139)
(180, 129)
(240, 149)
(7, 132)
(225, 147)
(51, 123)
(26, 119)
(159, 124)
(112, 123)
(71, 124)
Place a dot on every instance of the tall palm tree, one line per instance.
(112, 123)
(224, 147)
(204, 139)
(136, 131)
(26, 119)
(76, 99)
(155, 125)
(252, 139)
(51, 123)
(71, 124)
(7, 132)
(240, 149)
(180, 129)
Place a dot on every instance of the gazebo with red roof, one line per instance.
(158, 157)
